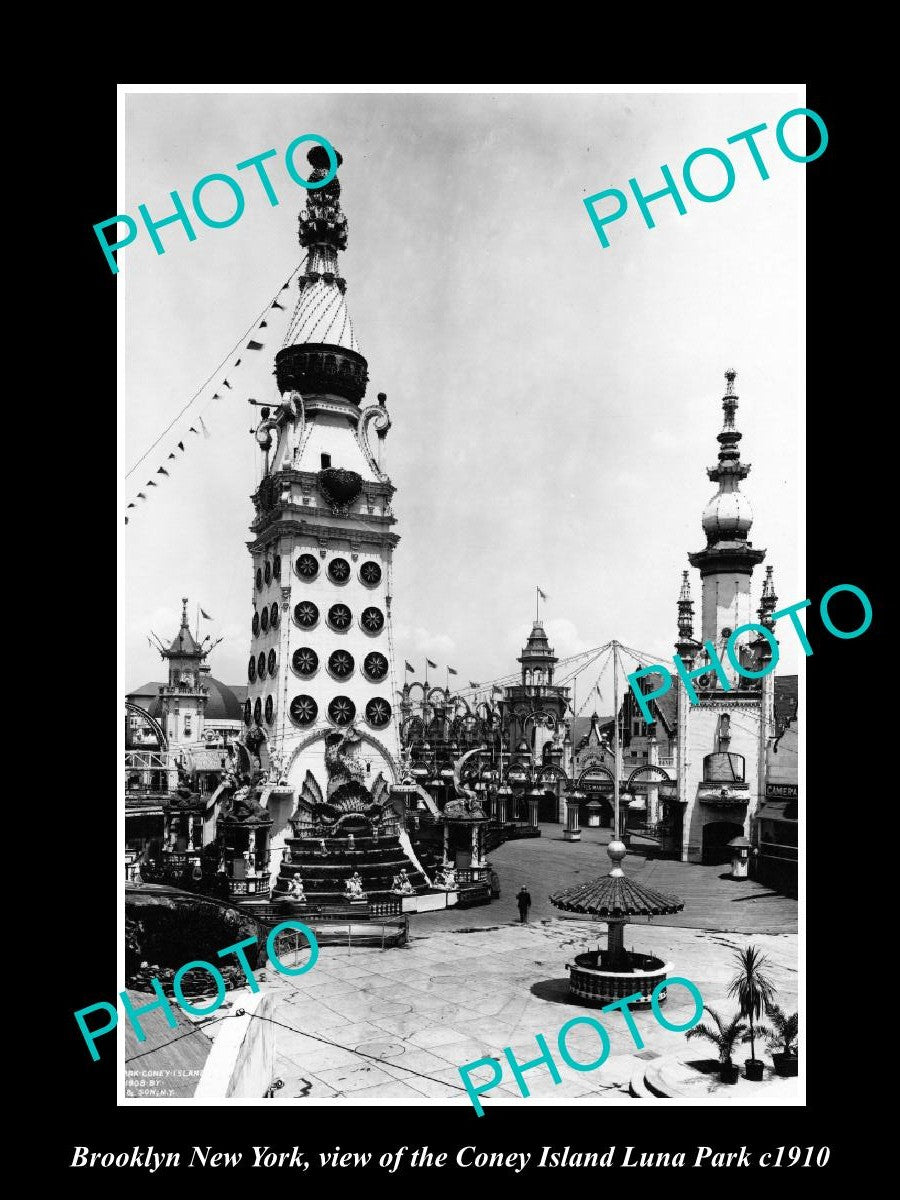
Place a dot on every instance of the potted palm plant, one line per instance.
(754, 991)
(783, 1037)
(724, 1037)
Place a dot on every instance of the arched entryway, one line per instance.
(716, 836)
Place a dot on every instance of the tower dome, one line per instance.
(727, 515)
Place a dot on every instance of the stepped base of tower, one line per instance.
(326, 864)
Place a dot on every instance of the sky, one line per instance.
(555, 404)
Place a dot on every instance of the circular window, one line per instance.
(270, 661)
(304, 710)
(264, 620)
(305, 661)
(276, 567)
(248, 712)
(726, 633)
(270, 709)
(251, 669)
(341, 664)
(307, 566)
(261, 664)
(306, 614)
(273, 615)
(259, 577)
(257, 711)
(342, 710)
(370, 573)
(339, 570)
(372, 619)
(268, 572)
(255, 624)
(339, 616)
(375, 665)
(378, 712)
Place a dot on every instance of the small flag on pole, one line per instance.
(409, 667)
(206, 616)
(543, 595)
(251, 345)
(162, 471)
(431, 664)
(452, 671)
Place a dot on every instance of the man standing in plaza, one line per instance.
(523, 898)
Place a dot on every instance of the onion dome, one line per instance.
(728, 515)
(614, 896)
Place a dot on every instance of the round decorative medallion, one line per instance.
(259, 580)
(304, 710)
(248, 712)
(339, 616)
(342, 710)
(257, 711)
(264, 620)
(341, 664)
(372, 619)
(370, 573)
(273, 614)
(276, 567)
(270, 661)
(375, 665)
(270, 709)
(307, 566)
(268, 572)
(251, 670)
(339, 570)
(306, 614)
(378, 712)
(305, 661)
(261, 664)
(255, 624)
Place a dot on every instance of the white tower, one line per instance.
(321, 648)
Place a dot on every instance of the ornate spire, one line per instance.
(729, 453)
(728, 517)
(685, 609)
(768, 601)
(320, 354)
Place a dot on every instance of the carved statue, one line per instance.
(445, 877)
(402, 885)
(296, 892)
(354, 888)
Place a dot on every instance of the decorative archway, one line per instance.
(642, 770)
(595, 769)
(362, 734)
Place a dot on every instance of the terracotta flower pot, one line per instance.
(785, 1065)
(753, 1069)
(729, 1072)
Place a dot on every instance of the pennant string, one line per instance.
(206, 383)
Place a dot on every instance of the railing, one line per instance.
(470, 875)
(248, 887)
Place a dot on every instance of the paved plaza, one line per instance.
(396, 1024)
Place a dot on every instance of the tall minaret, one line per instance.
(321, 649)
(726, 565)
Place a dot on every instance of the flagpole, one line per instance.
(537, 603)
(197, 626)
(616, 733)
